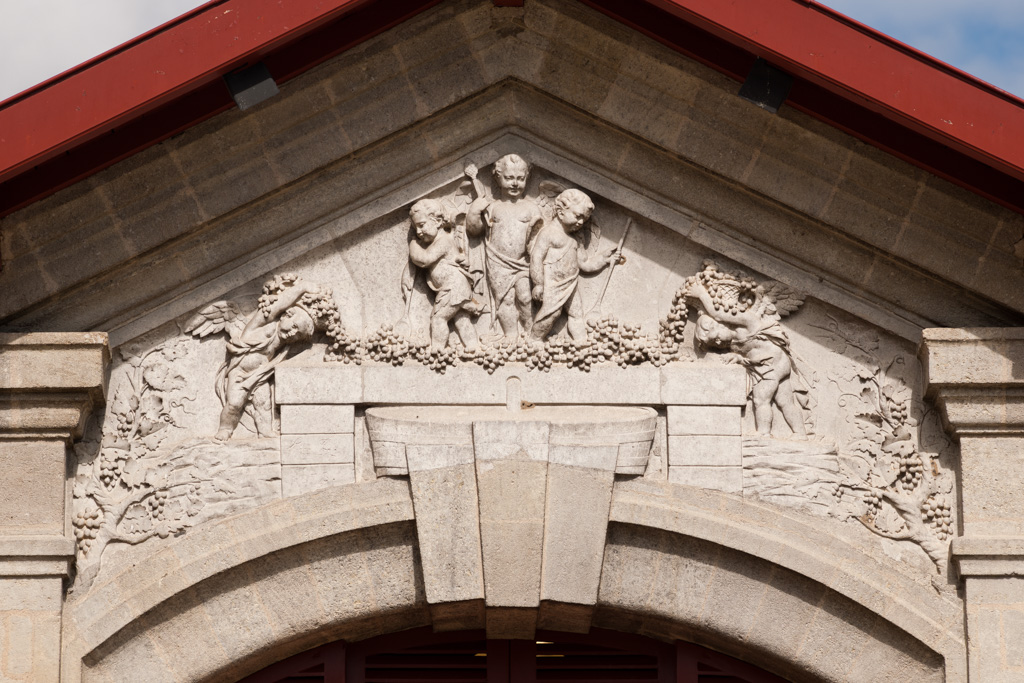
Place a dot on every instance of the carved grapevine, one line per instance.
(893, 483)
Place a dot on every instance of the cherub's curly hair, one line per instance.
(436, 208)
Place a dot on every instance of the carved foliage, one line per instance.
(891, 475)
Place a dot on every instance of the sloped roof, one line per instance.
(851, 76)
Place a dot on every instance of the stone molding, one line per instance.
(995, 556)
(976, 375)
(50, 382)
(36, 556)
(351, 551)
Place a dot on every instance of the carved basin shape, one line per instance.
(615, 438)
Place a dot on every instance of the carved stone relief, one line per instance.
(522, 271)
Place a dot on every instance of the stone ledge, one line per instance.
(973, 357)
(988, 556)
(976, 376)
(50, 382)
(36, 556)
(33, 546)
(673, 384)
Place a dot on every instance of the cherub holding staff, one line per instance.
(556, 261)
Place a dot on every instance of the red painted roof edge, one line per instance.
(103, 56)
(125, 83)
(804, 37)
(914, 52)
(822, 47)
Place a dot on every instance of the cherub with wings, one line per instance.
(289, 312)
(743, 317)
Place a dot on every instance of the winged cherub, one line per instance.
(289, 312)
(743, 317)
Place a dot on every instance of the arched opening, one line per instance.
(420, 655)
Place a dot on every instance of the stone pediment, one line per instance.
(758, 378)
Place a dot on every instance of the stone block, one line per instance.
(509, 440)
(568, 618)
(458, 616)
(511, 499)
(317, 449)
(512, 623)
(340, 384)
(592, 457)
(703, 385)
(578, 501)
(317, 419)
(704, 420)
(633, 457)
(299, 479)
(992, 475)
(448, 530)
(37, 593)
(36, 505)
(602, 385)
(423, 457)
(727, 479)
(719, 451)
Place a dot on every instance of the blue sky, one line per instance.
(41, 38)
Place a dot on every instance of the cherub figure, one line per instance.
(507, 223)
(436, 250)
(556, 262)
(743, 317)
(289, 312)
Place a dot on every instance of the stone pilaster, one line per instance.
(977, 378)
(49, 383)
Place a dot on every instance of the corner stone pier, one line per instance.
(49, 384)
(977, 377)
(495, 489)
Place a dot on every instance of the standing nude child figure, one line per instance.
(762, 347)
(507, 224)
(436, 250)
(556, 262)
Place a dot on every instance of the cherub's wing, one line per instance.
(549, 189)
(785, 299)
(217, 317)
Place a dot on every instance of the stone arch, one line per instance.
(235, 595)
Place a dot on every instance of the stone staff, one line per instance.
(611, 269)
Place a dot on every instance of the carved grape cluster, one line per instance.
(624, 344)
(86, 523)
(539, 358)
(937, 513)
(874, 503)
(899, 410)
(911, 471)
(729, 292)
(157, 504)
(672, 326)
(111, 468)
(438, 360)
(388, 345)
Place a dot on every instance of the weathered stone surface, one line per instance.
(317, 419)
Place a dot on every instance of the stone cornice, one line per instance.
(50, 382)
(988, 556)
(976, 376)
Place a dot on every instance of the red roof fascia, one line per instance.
(853, 77)
(139, 77)
(826, 48)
